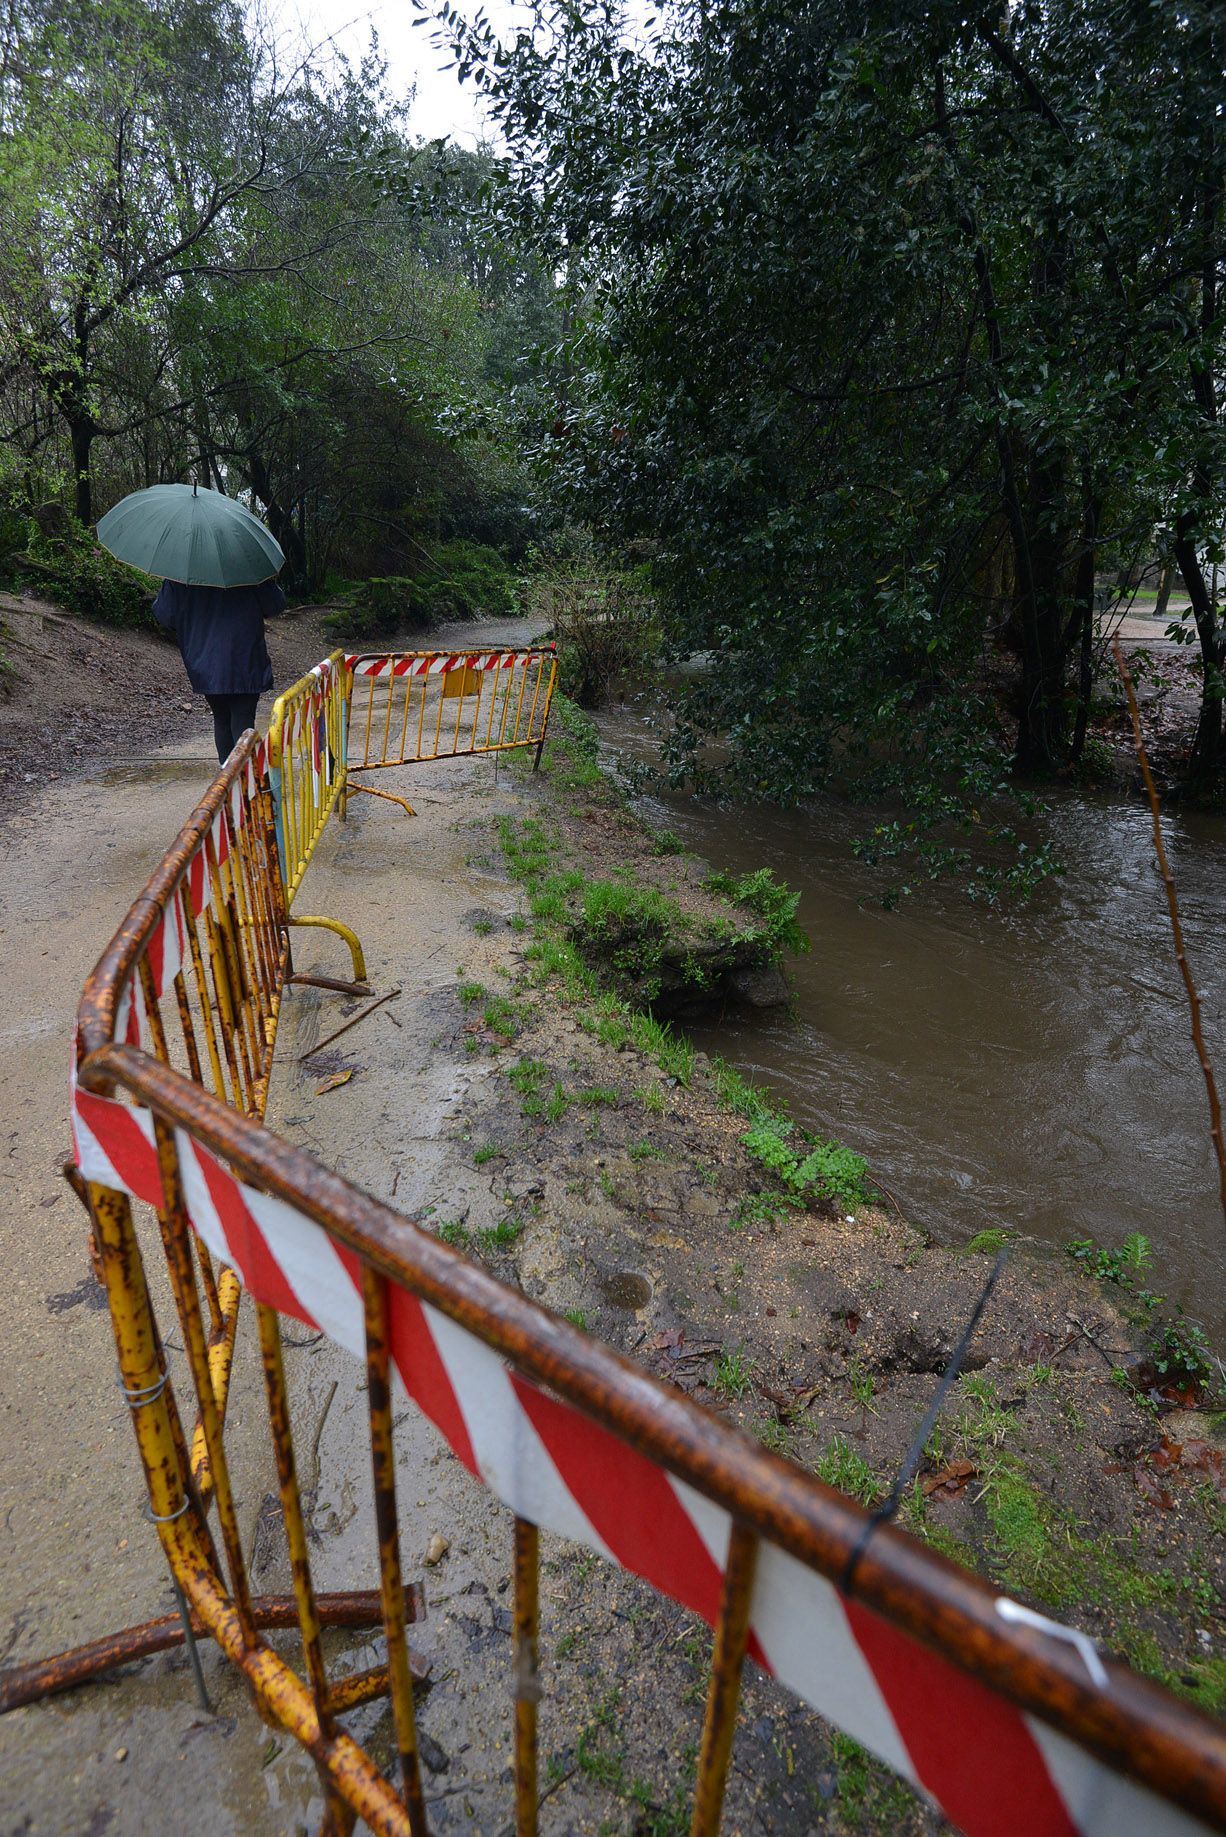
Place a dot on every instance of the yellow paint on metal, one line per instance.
(399, 716)
(309, 791)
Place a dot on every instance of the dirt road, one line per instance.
(77, 1559)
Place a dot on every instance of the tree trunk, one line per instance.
(279, 520)
(1165, 583)
(1042, 738)
(81, 432)
(1084, 620)
(1206, 762)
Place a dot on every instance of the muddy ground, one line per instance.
(512, 1110)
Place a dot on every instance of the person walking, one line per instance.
(218, 566)
(220, 631)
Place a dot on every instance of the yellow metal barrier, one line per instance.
(307, 740)
(412, 706)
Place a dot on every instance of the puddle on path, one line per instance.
(159, 771)
(625, 1288)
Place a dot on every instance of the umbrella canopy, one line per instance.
(184, 532)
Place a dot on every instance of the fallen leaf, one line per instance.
(332, 1083)
(665, 1341)
(1150, 1487)
(948, 1481)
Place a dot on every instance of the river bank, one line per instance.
(1066, 1464)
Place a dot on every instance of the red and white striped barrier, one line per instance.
(994, 1771)
(436, 663)
(167, 946)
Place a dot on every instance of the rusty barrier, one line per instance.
(307, 741)
(1008, 1721)
(207, 962)
(411, 706)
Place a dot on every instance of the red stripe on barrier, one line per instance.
(424, 1375)
(638, 1516)
(970, 1749)
(125, 1144)
(261, 1273)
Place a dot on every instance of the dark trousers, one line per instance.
(232, 716)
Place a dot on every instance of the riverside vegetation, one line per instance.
(657, 1198)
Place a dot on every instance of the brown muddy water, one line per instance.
(1029, 1068)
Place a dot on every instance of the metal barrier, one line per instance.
(1006, 1720)
(411, 706)
(996, 1714)
(196, 975)
(307, 741)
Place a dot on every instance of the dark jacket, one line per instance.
(221, 634)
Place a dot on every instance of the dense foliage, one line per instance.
(895, 330)
(224, 263)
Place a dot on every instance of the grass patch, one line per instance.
(988, 1243)
(827, 1170)
(731, 1376)
(489, 1153)
(841, 1466)
(869, 1794)
(453, 1232)
(502, 1017)
(500, 1236)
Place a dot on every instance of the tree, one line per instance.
(882, 334)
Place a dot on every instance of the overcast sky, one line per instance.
(442, 107)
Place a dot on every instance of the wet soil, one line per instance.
(77, 694)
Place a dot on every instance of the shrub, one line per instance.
(71, 569)
(461, 580)
(771, 901)
(604, 627)
(380, 606)
(466, 580)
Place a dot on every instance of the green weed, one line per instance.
(501, 1235)
(732, 1374)
(843, 1467)
(772, 902)
(988, 1243)
(826, 1171)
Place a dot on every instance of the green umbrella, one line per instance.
(200, 537)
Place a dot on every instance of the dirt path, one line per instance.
(77, 1559)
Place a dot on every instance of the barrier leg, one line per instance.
(527, 1680)
(351, 938)
(193, 1652)
(731, 1637)
(389, 795)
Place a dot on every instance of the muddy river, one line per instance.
(1028, 1067)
